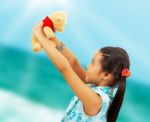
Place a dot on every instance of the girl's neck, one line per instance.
(104, 83)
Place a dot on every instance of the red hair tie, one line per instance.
(125, 72)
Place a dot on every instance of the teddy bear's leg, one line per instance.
(36, 46)
(48, 32)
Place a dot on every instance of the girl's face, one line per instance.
(94, 73)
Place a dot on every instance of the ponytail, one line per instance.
(115, 106)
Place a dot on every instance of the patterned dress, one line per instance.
(75, 112)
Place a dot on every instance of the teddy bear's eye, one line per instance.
(59, 19)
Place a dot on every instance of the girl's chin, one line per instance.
(87, 80)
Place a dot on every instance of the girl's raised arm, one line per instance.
(75, 64)
(91, 101)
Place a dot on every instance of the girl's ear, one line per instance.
(108, 76)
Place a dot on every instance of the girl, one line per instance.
(100, 89)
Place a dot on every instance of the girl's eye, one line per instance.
(92, 61)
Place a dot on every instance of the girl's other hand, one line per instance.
(37, 31)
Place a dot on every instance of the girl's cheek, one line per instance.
(86, 74)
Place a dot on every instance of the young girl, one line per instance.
(100, 89)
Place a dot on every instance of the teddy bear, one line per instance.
(50, 24)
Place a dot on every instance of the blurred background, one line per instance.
(33, 90)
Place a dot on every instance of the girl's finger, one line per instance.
(33, 31)
(41, 23)
(38, 26)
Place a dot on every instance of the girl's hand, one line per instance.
(38, 33)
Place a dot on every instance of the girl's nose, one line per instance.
(88, 66)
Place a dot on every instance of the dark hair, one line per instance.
(115, 59)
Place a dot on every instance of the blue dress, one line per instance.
(75, 112)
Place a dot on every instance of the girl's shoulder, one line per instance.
(104, 91)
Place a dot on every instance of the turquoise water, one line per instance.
(33, 77)
(36, 79)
